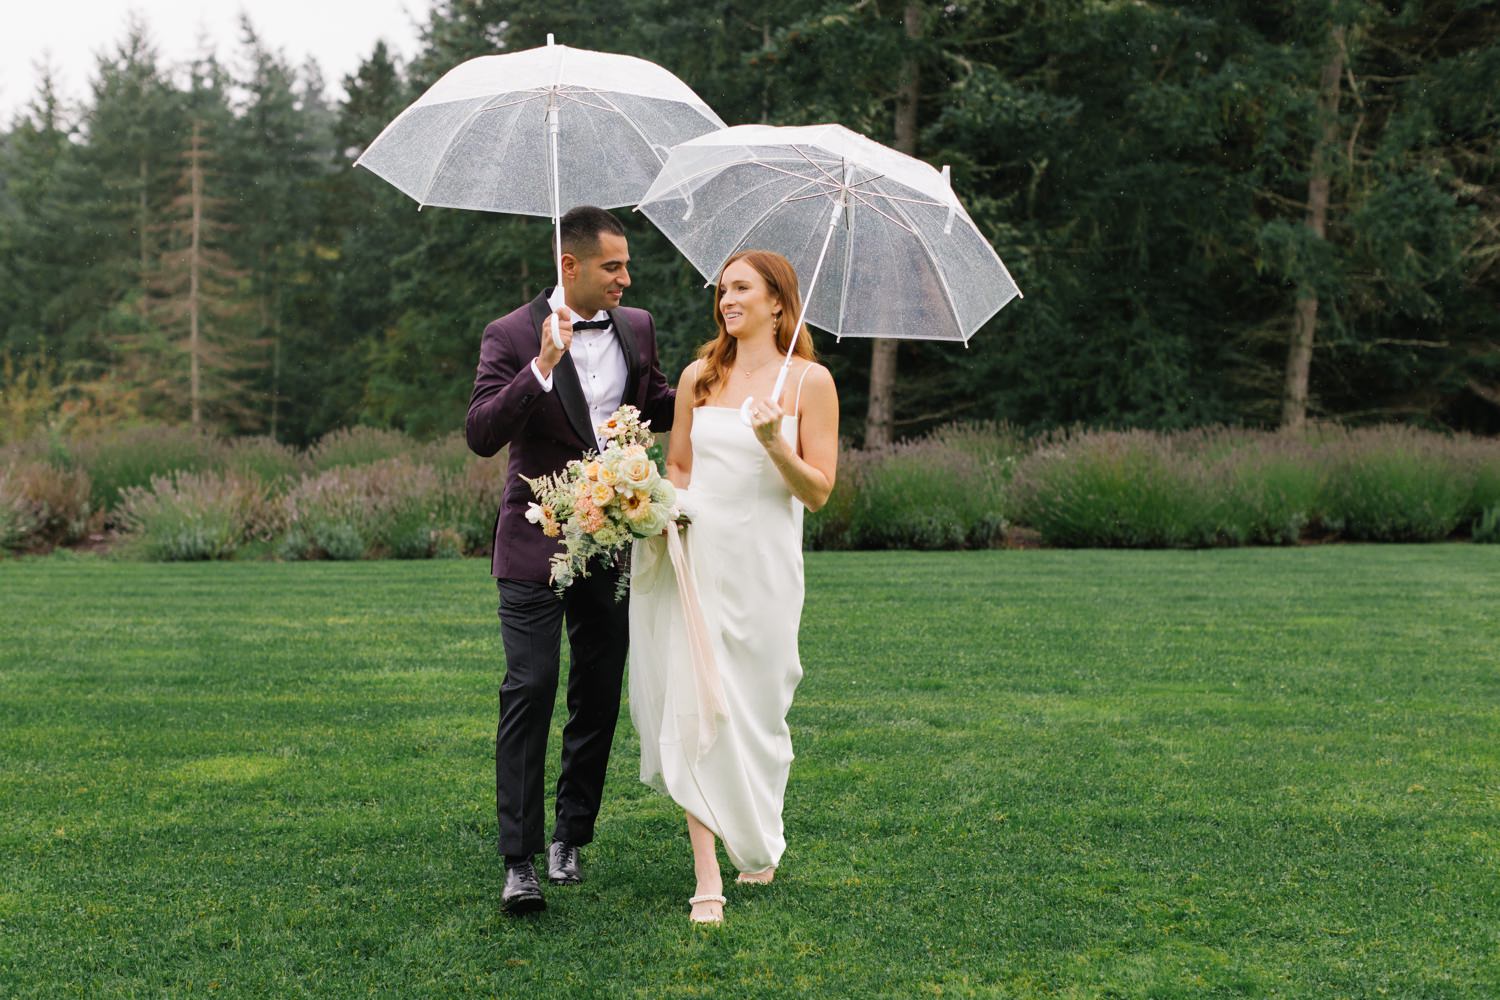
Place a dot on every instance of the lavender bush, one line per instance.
(355, 446)
(192, 516)
(1118, 489)
(264, 458)
(60, 500)
(368, 493)
(945, 491)
(1394, 484)
(18, 521)
(119, 460)
(386, 509)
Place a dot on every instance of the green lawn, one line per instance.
(1073, 774)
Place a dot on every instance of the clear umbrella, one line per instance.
(489, 134)
(881, 245)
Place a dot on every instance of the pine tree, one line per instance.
(55, 294)
(195, 286)
(276, 158)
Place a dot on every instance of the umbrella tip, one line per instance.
(550, 39)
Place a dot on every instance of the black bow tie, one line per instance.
(591, 324)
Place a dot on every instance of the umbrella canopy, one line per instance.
(487, 135)
(881, 245)
(479, 138)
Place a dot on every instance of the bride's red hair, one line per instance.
(781, 281)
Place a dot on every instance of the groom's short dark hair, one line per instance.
(581, 227)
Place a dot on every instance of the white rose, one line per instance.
(638, 472)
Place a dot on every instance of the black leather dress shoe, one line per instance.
(563, 867)
(523, 891)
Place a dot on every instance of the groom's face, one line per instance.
(597, 279)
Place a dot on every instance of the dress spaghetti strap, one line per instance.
(797, 406)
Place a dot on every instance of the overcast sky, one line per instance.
(337, 33)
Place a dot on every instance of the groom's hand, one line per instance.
(551, 353)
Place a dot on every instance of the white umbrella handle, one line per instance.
(786, 364)
(553, 127)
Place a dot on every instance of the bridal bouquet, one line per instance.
(600, 503)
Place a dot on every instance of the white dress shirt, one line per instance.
(600, 362)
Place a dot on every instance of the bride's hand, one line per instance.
(765, 419)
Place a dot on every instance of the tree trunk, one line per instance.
(141, 222)
(194, 345)
(765, 76)
(880, 417)
(1305, 318)
(264, 304)
(275, 385)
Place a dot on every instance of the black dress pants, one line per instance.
(531, 620)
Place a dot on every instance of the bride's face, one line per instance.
(745, 303)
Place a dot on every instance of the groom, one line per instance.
(545, 402)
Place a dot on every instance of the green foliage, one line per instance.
(1392, 485)
(1487, 526)
(1142, 169)
(326, 517)
(1271, 497)
(18, 520)
(189, 516)
(353, 446)
(131, 457)
(392, 508)
(1108, 489)
(926, 495)
(372, 493)
(263, 458)
(470, 502)
(1483, 460)
(58, 500)
(946, 491)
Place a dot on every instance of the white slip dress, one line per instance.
(724, 755)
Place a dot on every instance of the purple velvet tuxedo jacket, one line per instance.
(546, 430)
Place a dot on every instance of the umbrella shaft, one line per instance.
(833, 220)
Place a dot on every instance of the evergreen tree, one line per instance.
(196, 304)
(57, 295)
(274, 157)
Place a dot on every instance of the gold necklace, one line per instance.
(758, 367)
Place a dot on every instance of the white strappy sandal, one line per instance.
(709, 898)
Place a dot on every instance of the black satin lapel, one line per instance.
(626, 336)
(570, 394)
(564, 377)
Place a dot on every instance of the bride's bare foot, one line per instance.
(708, 908)
(757, 878)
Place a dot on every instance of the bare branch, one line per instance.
(1484, 392)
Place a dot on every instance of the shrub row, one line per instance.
(119, 460)
(175, 493)
(944, 491)
(365, 493)
(965, 487)
(391, 508)
(1232, 487)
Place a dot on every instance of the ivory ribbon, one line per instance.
(706, 684)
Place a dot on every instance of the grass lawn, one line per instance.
(1020, 774)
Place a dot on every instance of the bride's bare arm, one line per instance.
(680, 446)
(809, 475)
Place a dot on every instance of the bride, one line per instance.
(713, 628)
